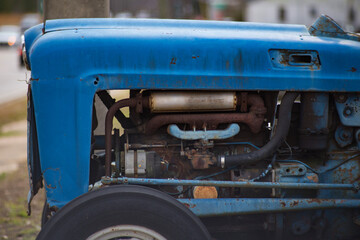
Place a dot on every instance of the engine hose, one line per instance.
(266, 151)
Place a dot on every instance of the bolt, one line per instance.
(341, 98)
(347, 111)
(345, 135)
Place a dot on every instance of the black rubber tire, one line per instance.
(124, 205)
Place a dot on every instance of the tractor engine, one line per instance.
(273, 137)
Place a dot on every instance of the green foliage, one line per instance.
(19, 6)
(2, 176)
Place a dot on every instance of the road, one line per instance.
(12, 86)
(12, 76)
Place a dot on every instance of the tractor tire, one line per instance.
(124, 212)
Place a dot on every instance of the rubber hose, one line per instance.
(266, 151)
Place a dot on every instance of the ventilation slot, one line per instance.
(300, 59)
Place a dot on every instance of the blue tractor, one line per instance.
(228, 130)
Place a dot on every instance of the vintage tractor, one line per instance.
(228, 131)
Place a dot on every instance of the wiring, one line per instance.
(267, 170)
(343, 162)
(323, 171)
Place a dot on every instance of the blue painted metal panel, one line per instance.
(343, 169)
(236, 206)
(187, 58)
(63, 117)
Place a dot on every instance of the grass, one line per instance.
(9, 134)
(16, 211)
(2, 176)
(12, 111)
(17, 221)
(14, 222)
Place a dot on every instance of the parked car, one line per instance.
(9, 35)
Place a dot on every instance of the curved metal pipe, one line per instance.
(212, 119)
(108, 129)
(256, 104)
(279, 137)
(108, 101)
(254, 118)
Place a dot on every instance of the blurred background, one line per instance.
(17, 16)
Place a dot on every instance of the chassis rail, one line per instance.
(236, 206)
(278, 185)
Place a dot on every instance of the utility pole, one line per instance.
(55, 9)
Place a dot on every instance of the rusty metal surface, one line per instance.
(236, 206)
(313, 131)
(212, 120)
(295, 59)
(254, 118)
(200, 158)
(349, 109)
(325, 26)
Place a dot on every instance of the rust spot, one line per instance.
(189, 205)
(283, 204)
(50, 186)
(315, 200)
(352, 69)
(294, 203)
(313, 178)
(173, 61)
(34, 79)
